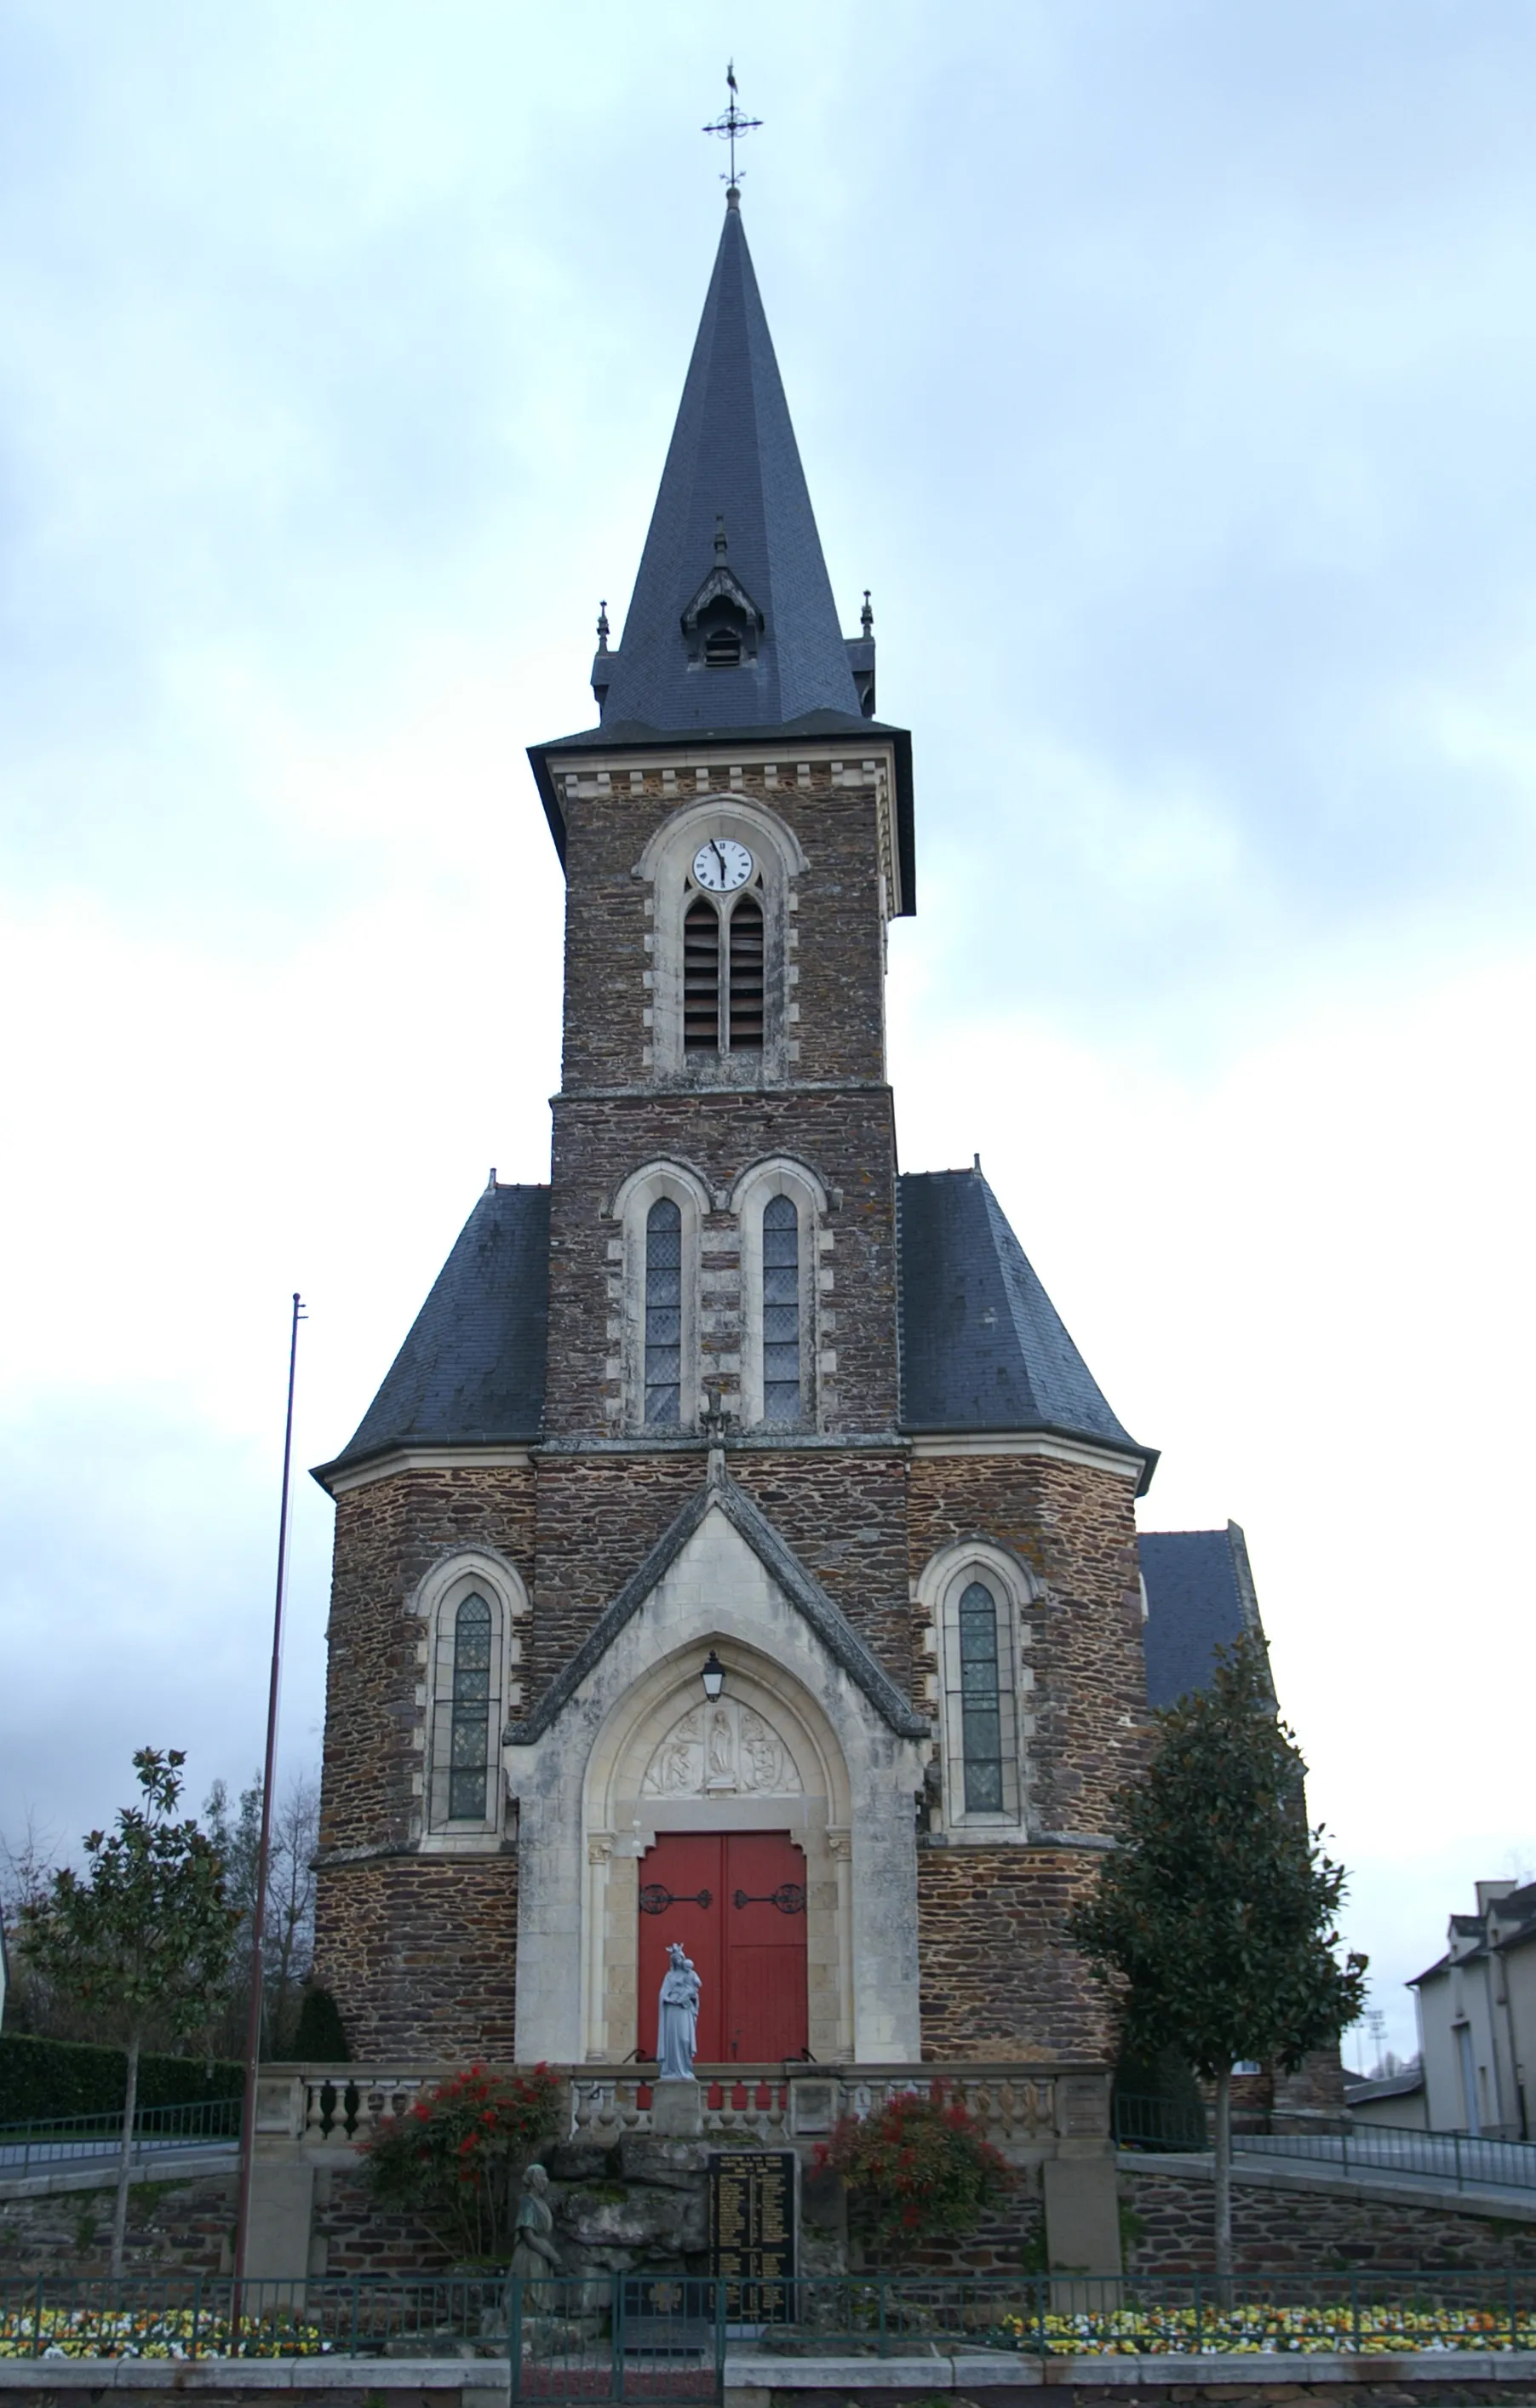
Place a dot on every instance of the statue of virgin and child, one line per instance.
(677, 2019)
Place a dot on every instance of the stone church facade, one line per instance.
(739, 1550)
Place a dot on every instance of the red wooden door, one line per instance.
(750, 1957)
(766, 2015)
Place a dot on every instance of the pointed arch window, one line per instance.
(781, 1400)
(468, 1748)
(723, 960)
(980, 1701)
(663, 1314)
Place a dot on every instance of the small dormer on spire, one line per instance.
(722, 623)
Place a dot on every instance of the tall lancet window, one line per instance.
(744, 937)
(780, 1310)
(980, 1701)
(468, 1742)
(701, 978)
(663, 1314)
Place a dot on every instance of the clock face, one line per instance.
(722, 865)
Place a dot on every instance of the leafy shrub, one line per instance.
(455, 2158)
(319, 2038)
(44, 2078)
(915, 2167)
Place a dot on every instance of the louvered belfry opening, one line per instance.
(701, 978)
(746, 978)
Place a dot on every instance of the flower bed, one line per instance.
(157, 2332)
(1264, 2331)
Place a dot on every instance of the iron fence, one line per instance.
(1158, 2123)
(1459, 2157)
(645, 2341)
(27, 2147)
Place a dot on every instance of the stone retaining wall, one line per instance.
(1277, 2227)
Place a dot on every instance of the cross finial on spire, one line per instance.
(732, 127)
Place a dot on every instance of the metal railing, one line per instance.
(25, 2148)
(645, 2339)
(1458, 2157)
(1158, 2123)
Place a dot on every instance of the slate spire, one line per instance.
(732, 622)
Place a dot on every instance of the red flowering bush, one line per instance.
(456, 2158)
(915, 2167)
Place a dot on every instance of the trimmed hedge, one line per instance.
(43, 2079)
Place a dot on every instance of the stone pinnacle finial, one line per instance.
(867, 617)
(602, 627)
(720, 535)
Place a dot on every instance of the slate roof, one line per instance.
(471, 1371)
(1200, 1597)
(982, 1347)
(733, 455)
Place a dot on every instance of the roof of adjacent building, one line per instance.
(1360, 2089)
(1200, 1597)
(983, 1348)
(471, 1370)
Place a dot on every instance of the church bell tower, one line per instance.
(738, 1553)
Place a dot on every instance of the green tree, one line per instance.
(1217, 1910)
(143, 1940)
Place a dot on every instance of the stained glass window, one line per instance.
(663, 1314)
(468, 1749)
(980, 1701)
(781, 1311)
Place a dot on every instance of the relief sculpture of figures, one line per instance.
(678, 2018)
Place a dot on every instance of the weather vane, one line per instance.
(731, 126)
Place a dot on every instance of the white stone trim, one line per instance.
(665, 864)
(1049, 1443)
(468, 1572)
(430, 1458)
(783, 1175)
(582, 1824)
(630, 1206)
(1014, 1589)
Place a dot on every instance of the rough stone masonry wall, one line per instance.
(840, 953)
(1276, 2229)
(419, 1951)
(998, 1975)
(172, 2227)
(843, 1512)
(846, 1137)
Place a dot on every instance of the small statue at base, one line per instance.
(677, 2019)
(535, 2257)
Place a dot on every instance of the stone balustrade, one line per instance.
(1026, 2110)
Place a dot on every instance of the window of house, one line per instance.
(780, 1310)
(663, 1314)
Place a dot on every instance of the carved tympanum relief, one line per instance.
(723, 1749)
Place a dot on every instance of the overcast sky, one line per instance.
(1166, 368)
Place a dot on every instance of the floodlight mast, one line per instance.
(264, 1852)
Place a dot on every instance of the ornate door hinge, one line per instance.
(655, 1900)
(789, 1898)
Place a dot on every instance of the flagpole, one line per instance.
(264, 1852)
